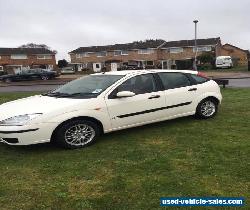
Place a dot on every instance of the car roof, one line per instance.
(134, 72)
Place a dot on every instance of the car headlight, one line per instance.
(19, 120)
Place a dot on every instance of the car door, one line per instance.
(180, 93)
(144, 106)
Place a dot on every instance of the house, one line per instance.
(16, 59)
(151, 54)
(181, 54)
(239, 56)
(131, 55)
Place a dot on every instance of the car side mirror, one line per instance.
(123, 94)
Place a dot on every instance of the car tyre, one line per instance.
(8, 80)
(77, 134)
(44, 77)
(207, 108)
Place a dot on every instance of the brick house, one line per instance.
(16, 59)
(150, 54)
(239, 56)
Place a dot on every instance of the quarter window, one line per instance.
(198, 79)
(174, 80)
(139, 84)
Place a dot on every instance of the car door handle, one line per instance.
(154, 96)
(192, 89)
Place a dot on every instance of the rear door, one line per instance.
(180, 93)
(145, 106)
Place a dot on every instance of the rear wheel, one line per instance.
(77, 134)
(8, 80)
(207, 108)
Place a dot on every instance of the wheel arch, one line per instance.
(92, 119)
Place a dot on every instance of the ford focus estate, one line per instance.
(74, 115)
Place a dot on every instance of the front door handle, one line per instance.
(192, 89)
(154, 96)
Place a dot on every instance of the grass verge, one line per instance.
(132, 169)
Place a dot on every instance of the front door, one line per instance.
(113, 66)
(97, 67)
(144, 107)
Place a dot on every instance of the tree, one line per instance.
(33, 45)
(62, 63)
(206, 58)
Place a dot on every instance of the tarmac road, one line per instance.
(240, 83)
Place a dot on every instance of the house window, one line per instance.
(117, 52)
(124, 52)
(85, 54)
(176, 50)
(101, 54)
(145, 51)
(82, 55)
(44, 57)
(149, 63)
(19, 56)
(203, 49)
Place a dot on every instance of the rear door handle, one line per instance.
(192, 89)
(154, 96)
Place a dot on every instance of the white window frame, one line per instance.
(101, 55)
(44, 57)
(176, 50)
(203, 49)
(118, 51)
(18, 56)
(145, 51)
(122, 52)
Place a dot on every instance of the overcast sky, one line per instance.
(67, 25)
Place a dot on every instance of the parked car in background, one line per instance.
(67, 70)
(224, 62)
(1, 70)
(31, 74)
(75, 114)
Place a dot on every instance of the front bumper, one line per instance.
(26, 135)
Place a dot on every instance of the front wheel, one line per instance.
(77, 134)
(44, 77)
(207, 108)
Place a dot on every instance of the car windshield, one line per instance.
(88, 86)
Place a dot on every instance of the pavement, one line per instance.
(236, 79)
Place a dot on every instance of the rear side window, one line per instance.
(174, 80)
(198, 79)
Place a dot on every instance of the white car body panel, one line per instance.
(113, 114)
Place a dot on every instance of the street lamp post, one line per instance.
(195, 42)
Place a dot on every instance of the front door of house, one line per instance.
(113, 66)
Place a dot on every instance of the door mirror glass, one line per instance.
(123, 94)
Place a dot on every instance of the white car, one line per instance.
(75, 114)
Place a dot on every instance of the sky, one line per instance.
(67, 25)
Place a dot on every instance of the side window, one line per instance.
(139, 84)
(174, 80)
(198, 79)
